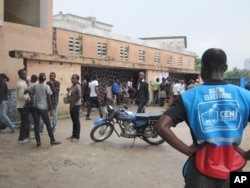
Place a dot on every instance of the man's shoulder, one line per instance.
(21, 83)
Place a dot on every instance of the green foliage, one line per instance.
(198, 64)
(237, 73)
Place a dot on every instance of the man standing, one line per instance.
(116, 91)
(182, 86)
(216, 135)
(42, 102)
(55, 88)
(176, 91)
(163, 93)
(142, 93)
(3, 99)
(155, 86)
(93, 98)
(21, 87)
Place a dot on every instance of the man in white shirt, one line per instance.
(182, 86)
(176, 91)
(93, 98)
(21, 86)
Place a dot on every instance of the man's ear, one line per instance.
(225, 68)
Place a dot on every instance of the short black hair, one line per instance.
(34, 78)
(20, 72)
(42, 77)
(77, 76)
(53, 73)
(214, 57)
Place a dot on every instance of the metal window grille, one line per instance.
(189, 63)
(124, 53)
(156, 57)
(101, 49)
(169, 60)
(180, 61)
(75, 46)
(141, 55)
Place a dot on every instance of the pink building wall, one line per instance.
(15, 36)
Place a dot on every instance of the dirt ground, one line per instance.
(110, 164)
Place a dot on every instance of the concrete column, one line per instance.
(1, 12)
(44, 14)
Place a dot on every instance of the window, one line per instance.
(189, 63)
(77, 46)
(74, 46)
(101, 49)
(156, 57)
(124, 53)
(141, 55)
(169, 60)
(180, 61)
(71, 45)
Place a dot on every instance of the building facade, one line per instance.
(176, 42)
(45, 43)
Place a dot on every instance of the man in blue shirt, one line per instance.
(216, 113)
(116, 91)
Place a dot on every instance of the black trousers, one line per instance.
(118, 98)
(141, 107)
(94, 101)
(195, 179)
(155, 96)
(74, 114)
(37, 113)
(24, 126)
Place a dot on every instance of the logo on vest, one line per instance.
(222, 115)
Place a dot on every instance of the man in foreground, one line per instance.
(216, 113)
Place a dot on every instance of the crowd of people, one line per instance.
(45, 101)
(83, 95)
(169, 88)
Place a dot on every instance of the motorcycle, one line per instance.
(131, 125)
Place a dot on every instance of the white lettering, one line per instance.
(237, 179)
(216, 90)
(215, 96)
(228, 114)
(240, 179)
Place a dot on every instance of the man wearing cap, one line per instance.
(216, 116)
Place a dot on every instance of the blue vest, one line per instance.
(217, 114)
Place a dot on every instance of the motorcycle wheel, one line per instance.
(155, 139)
(101, 132)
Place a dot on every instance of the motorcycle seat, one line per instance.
(148, 116)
